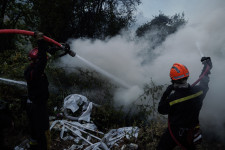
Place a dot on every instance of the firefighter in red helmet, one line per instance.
(38, 93)
(182, 103)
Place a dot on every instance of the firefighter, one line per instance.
(182, 103)
(38, 93)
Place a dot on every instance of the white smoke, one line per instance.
(119, 57)
(205, 30)
(116, 56)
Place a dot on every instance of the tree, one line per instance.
(160, 27)
(68, 18)
(102, 18)
(156, 31)
(54, 17)
(15, 14)
(86, 18)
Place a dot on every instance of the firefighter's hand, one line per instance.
(66, 47)
(169, 89)
(38, 35)
(207, 61)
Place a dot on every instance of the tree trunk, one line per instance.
(3, 10)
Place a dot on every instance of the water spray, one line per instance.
(199, 49)
(67, 51)
(107, 74)
(207, 68)
(13, 81)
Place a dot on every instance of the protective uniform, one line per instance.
(38, 94)
(182, 103)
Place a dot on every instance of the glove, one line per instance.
(67, 50)
(38, 35)
(66, 47)
(169, 89)
(206, 61)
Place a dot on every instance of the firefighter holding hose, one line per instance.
(182, 103)
(38, 94)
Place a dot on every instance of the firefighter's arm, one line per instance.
(206, 61)
(164, 106)
(65, 48)
(53, 50)
(42, 56)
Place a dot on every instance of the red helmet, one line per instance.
(178, 71)
(33, 54)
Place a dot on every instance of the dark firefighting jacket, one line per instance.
(183, 105)
(37, 82)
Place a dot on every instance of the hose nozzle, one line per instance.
(71, 53)
(67, 50)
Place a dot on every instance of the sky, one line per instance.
(191, 8)
(169, 7)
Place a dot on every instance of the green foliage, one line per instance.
(161, 26)
(55, 17)
(143, 113)
(149, 135)
(162, 22)
(65, 19)
(99, 18)
(15, 14)
(13, 64)
(13, 95)
(146, 105)
(107, 117)
(78, 81)
(156, 31)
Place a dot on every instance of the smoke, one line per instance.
(118, 57)
(205, 30)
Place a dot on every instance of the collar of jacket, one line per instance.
(184, 86)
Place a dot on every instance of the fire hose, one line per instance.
(67, 51)
(199, 79)
(30, 33)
